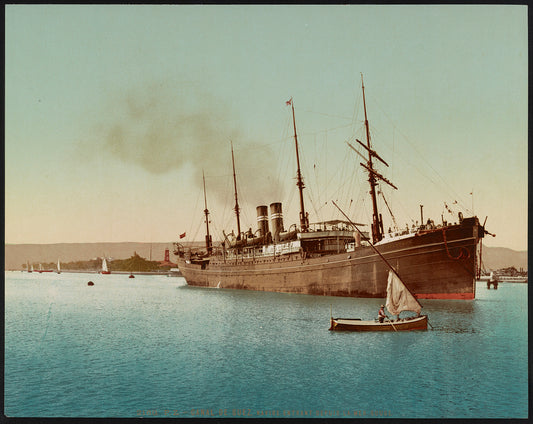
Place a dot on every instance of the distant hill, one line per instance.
(500, 257)
(18, 254)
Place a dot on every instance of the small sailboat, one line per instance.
(399, 299)
(41, 269)
(30, 269)
(105, 269)
(58, 267)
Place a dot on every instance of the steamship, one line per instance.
(331, 258)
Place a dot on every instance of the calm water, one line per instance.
(152, 346)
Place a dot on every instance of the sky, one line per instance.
(114, 112)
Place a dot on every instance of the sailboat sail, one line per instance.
(104, 266)
(58, 266)
(399, 298)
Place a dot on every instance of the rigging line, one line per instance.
(226, 191)
(305, 133)
(354, 180)
(420, 171)
(357, 106)
(197, 231)
(283, 154)
(194, 234)
(417, 151)
(244, 199)
(314, 208)
(330, 182)
(325, 156)
(337, 175)
(337, 183)
(344, 182)
(316, 170)
(290, 199)
(326, 114)
(348, 182)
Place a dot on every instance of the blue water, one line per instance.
(152, 346)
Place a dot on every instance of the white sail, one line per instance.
(399, 298)
(58, 266)
(104, 265)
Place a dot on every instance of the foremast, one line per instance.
(373, 176)
(304, 220)
(208, 240)
(236, 199)
(377, 223)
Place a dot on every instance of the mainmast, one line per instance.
(304, 224)
(236, 200)
(208, 242)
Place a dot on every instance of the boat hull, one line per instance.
(438, 264)
(347, 324)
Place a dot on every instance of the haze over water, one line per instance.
(152, 345)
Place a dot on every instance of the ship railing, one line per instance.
(275, 251)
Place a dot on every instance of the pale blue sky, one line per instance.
(112, 112)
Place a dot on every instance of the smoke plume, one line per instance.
(162, 128)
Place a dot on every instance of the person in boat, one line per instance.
(381, 313)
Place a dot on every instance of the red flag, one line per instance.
(182, 235)
(289, 102)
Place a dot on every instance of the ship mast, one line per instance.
(377, 223)
(299, 181)
(236, 200)
(208, 243)
(373, 176)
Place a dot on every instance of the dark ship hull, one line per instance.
(435, 262)
(439, 263)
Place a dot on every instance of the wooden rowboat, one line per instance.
(355, 324)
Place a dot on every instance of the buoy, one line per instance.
(90, 283)
(131, 276)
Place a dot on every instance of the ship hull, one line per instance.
(436, 264)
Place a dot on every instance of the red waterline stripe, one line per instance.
(460, 296)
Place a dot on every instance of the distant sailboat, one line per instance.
(105, 270)
(58, 267)
(40, 270)
(30, 269)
